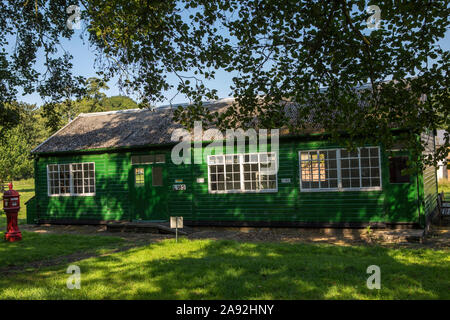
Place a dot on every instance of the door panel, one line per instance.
(149, 189)
(158, 194)
(401, 191)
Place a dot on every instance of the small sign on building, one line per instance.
(178, 187)
(286, 180)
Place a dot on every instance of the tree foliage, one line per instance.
(58, 114)
(312, 53)
(17, 142)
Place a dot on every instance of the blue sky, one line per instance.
(83, 61)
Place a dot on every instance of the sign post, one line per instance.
(175, 223)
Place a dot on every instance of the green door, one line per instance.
(401, 191)
(150, 196)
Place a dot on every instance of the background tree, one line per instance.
(58, 114)
(17, 142)
(312, 53)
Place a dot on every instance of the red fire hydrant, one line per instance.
(11, 206)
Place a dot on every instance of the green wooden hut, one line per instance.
(116, 166)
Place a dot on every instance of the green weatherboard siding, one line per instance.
(117, 197)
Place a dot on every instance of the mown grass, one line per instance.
(208, 269)
(42, 247)
(26, 190)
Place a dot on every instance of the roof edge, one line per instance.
(104, 113)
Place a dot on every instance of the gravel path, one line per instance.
(438, 238)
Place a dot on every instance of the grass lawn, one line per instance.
(444, 186)
(209, 269)
(43, 247)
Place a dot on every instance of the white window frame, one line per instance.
(241, 173)
(71, 178)
(338, 160)
(338, 169)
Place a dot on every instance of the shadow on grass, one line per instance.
(42, 247)
(231, 270)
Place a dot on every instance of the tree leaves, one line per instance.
(313, 54)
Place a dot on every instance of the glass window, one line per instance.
(217, 173)
(370, 167)
(396, 166)
(350, 169)
(268, 171)
(139, 178)
(242, 172)
(71, 179)
(148, 159)
(340, 169)
(160, 158)
(135, 159)
(251, 172)
(318, 169)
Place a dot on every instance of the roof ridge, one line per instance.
(103, 113)
(160, 108)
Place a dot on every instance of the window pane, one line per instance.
(232, 172)
(345, 164)
(135, 159)
(147, 159)
(374, 152)
(317, 167)
(364, 152)
(355, 183)
(139, 177)
(248, 171)
(396, 166)
(160, 158)
(365, 182)
(365, 162)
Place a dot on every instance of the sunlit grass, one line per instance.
(444, 186)
(208, 269)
